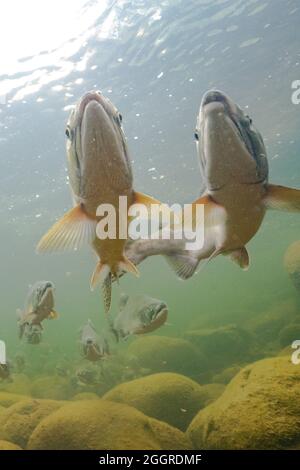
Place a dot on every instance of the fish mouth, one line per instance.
(158, 311)
(214, 96)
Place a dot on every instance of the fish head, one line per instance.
(96, 145)
(230, 149)
(152, 316)
(41, 295)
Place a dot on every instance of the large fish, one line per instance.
(39, 306)
(138, 314)
(99, 172)
(234, 168)
(94, 347)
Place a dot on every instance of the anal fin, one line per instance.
(240, 257)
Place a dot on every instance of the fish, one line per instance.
(86, 376)
(39, 306)
(237, 193)
(19, 362)
(137, 315)
(5, 371)
(94, 347)
(99, 173)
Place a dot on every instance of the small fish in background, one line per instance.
(5, 371)
(100, 172)
(39, 307)
(291, 263)
(87, 376)
(94, 346)
(19, 363)
(138, 315)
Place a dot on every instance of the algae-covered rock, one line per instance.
(267, 325)
(8, 399)
(289, 334)
(226, 375)
(5, 445)
(169, 397)
(52, 388)
(291, 263)
(85, 396)
(222, 346)
(166, 354)
(260, 409)
(100, 424)
(19, 420)
(210, 393)
(19, 383)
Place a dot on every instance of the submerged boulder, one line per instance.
(5, 445)
(8, 399)
(100, 424)
(289, 334)
(85, 396)
(210, 393)
(222, 346)
(267, 325)
(52, 388)
(260, 409)
(226, 375)
(167, 354)
(169, 397)
(19, 420)
(19, 383)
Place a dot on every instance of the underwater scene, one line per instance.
(126, 342)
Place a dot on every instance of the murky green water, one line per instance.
(154, 60)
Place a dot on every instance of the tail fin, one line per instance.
(103, 275)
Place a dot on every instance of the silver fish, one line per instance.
(234, 168)
(38, 307)
(100, 172)
(138, 314)
(94, 346)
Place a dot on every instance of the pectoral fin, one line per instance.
(148, 201)
(53, 315)
(282, 198)
(70, 232)
(141, 198)
(240, 257)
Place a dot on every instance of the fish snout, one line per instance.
(160, 309)
(214, 96)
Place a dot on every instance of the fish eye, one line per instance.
(196, 135)
(120, 117)
(68, 132)
(249, 119)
